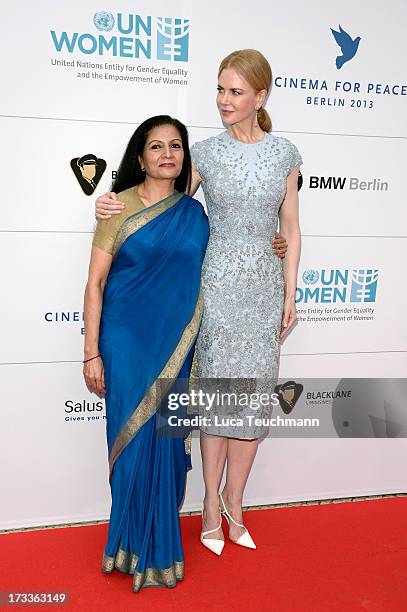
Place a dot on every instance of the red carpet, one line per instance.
(345, 557)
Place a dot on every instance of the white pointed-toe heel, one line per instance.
(213, 544)
(245, 539)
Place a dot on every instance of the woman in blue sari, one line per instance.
(143, 308)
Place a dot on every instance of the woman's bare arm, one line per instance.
(290, 228)
(99, 267)
(196, 180)
(108, 204)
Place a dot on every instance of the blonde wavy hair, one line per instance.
(255, 69)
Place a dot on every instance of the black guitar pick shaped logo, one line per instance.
(288, 395)
(88, 169)
(299, 181)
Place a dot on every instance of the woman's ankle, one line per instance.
(211, 502)
(231, 500)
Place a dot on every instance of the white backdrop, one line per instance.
(348, 124)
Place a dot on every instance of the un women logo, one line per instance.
(364, 285)
(172, 39)
(103, 21)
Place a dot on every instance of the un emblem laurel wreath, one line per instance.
(103, 21)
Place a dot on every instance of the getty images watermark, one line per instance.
(220, 403)
(245, 408)
(287, 408)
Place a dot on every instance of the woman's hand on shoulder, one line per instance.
(108, 205)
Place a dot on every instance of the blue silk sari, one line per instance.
(151, 314)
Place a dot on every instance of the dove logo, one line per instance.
(347, 45)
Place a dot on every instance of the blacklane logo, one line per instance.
(352, 183)
(88, 170)
(288, 395)
(147, 37)
(347, 45)
(300, 181)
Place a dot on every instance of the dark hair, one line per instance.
(130, 174)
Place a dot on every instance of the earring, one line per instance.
(256, 124)
(142, 169)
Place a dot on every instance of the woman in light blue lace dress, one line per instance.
(249, 178)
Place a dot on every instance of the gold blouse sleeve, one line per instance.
(106, 232)
(107, 229)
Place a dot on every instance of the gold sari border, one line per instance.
(141, 218)
(123, 561)
(188, 443)
(152, 576)
(149, 404)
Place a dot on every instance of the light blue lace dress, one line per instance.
(242, 278)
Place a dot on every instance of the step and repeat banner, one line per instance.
(77, 79)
